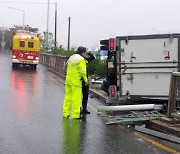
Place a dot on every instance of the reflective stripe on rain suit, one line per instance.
(76, 69)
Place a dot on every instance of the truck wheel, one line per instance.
(35, 66)
(14, 65)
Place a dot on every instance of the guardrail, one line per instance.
(55, 62)
(174, 96)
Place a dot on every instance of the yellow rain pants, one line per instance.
(72, 101)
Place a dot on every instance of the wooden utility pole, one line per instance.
(55, 33)
(47, 28)
(69, 33)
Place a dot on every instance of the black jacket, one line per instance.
(89, 59)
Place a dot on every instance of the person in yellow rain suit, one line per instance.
(76, 69)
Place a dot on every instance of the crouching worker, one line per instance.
(76, 69)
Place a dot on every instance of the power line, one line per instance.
(99, 10)
(80, 5)
(21, 2)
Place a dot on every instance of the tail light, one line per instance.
(112, 91)
(14, 57)
(37, 58)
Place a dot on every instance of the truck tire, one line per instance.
(14, 65)
(33, 67)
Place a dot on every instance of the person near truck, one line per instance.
(85, 88)
(76, 70)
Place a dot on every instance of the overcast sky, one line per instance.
(93, 20)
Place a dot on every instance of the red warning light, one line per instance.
(112, 91)
(112, 45)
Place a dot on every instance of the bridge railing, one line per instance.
(55, 62)
(174, 96)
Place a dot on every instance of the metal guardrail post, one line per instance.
(174, 95)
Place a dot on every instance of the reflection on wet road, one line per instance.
(24, 84)
(71, 136)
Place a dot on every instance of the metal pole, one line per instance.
(157, 134)
(23, 19)
(55, 33)
(69, 33)
(130, 107)
(173, 101)
(2, 42)
(118, 67)
(47, 28)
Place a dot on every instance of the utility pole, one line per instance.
(69, 33)
(55, 33)
(47, 29)
(2, 41)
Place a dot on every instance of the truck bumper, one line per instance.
(25, 62)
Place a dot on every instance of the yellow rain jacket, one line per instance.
(76, 69)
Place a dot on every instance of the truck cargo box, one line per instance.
(145, 64)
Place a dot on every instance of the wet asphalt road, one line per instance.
(31, 120)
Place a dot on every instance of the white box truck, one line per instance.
(144, 64)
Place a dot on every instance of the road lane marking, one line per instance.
(163, 147)
(55, 80)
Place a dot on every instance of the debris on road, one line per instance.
(135, 117)
(157, 134)
(130, 107)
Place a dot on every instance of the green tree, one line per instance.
(61, 51)
(97, 67)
